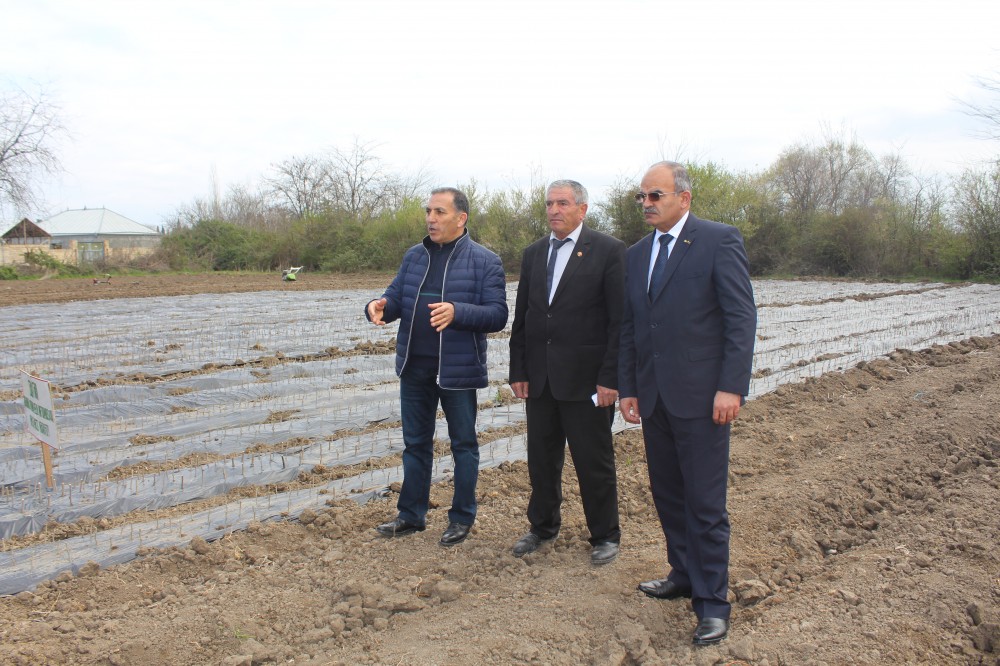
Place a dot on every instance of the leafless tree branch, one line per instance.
(29, 131)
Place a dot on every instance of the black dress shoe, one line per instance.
(710, 631)
(529, 543)
(455, 533)
(664, 589)
(399, 527)
(604, 553)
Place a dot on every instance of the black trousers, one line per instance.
(551, 424)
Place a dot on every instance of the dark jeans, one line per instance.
(419, 395)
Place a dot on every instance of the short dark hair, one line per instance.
(458, 197)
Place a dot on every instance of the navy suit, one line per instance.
(564, 350)
(679, 346)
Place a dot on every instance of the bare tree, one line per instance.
(830, 177)
(303, 184)
(242, 205)
(798, 174)
(359, 180)
(354, 181)
(365, 187)
(29, 131)
(988, 111)
(249, 207)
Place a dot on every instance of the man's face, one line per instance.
(564, 213)
(669, 210)
(444, 223)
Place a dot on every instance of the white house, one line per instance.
(87, 235)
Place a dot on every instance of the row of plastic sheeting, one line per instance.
(25, 568)
(89, 493)
(255, 389)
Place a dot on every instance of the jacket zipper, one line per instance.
(416, 301)
(444, 282)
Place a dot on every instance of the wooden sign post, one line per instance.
(40, 419)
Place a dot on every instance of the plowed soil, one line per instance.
(62, 290)
(865, 522)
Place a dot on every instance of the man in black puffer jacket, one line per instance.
(448, 294)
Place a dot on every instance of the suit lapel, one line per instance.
(539, 271)
(581, 249)
(645, 256)
(681, 247)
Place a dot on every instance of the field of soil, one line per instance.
(62, 290)
(865, 523)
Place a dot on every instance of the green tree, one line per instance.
(977, 212)
(508, 221)
(720, 195)
(217, 245)
(620, 214)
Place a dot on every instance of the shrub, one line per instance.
(47, 262)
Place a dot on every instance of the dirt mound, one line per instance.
(864, 513)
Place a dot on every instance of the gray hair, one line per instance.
(579, 191)
(458, 197)
(682, 181)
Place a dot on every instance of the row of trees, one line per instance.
(829, 208)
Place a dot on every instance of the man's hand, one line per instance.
(442, 314)
(629, 408)
(606, 397)
(375, 310)
(726, 407)
(520, 389)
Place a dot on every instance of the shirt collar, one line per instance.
(675, 231)
(575, 234)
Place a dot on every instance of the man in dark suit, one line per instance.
(686, 353)
(564, 362)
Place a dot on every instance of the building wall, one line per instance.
(113, 242)
(30, 240)
(117, 250)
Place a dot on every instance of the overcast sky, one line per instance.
(159, 96)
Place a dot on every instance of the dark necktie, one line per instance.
(556, 244)
(656, 278)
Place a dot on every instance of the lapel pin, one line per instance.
(687, 242)
(579, 254)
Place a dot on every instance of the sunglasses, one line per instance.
(652, 196)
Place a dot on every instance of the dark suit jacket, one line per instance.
(572, 343)
(695, 336)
